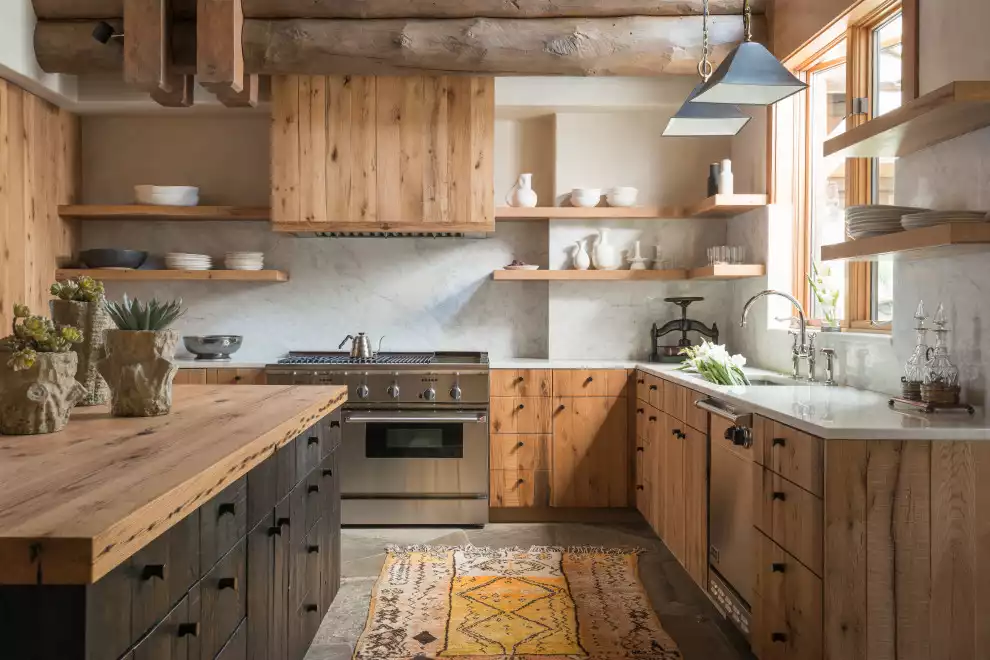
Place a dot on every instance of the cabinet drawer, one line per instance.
(654, 391)
(304, 579)
(236, 647)
(520, 488)
(329, 559)
(640, 420)
(170, 639)
(642, 382)
(309, 451)
(516, 415)
(259, 605)
(162, 572)
(694, 416)
(332, 433)
(285, 461)
(673, 400)
(222, 523)
(590, 382)
(521, 382)
(789, 515)
(303, 625)
(329, 484)
(520, 452)
(262, 490)
(223, 599)
(787, 607)
(792, 454)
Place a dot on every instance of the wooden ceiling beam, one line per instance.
(246, 98)
(84, 9)
(69, 47)
(180, 94)
(146, 47)
(219, 53)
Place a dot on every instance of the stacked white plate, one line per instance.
(875, 220)
(244, 260)
(183, 261)
(932, 218)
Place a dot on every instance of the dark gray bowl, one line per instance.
(212, 347)
(111, 258)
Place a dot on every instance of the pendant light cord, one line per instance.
(705, 66)
(748, 20)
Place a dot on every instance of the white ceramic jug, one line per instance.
(582, 261)
(606, 257)
(522, 193)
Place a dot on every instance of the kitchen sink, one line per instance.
(767, 382)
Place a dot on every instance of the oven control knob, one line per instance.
(393, 390)
(363, 391)
(430, 394)
(455, 393)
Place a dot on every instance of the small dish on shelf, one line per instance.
(182, 261)
(519, 265)
(622, 197)
(586, 197)
(107, 258)
(167, 195)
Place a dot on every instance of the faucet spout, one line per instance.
(794, 301)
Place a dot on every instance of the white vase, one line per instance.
(636, 261)
(522, 193)
(725, 179)
(581, 259)
(606, 257)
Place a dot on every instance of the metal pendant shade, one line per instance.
(705, 119)
(750, 75)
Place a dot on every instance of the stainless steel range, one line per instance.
(415, 433)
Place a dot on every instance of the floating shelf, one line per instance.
(109, 275)
(949, 112)
(707, 273)
(718, 206)
(147, 212)
(918, 243)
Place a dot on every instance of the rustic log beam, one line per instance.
(246, 98)
(146, 46)
(180, 94)
(186, 9)
(637, 46)
(219, 53)
(69, 47)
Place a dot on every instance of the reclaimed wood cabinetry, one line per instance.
(403, 153)
(590, 457)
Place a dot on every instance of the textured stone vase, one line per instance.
(138, 368)
(39, 399)
(93, 321)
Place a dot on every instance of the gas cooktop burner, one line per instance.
(381, 358)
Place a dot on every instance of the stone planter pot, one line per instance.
(138, 368)
(39, 399)
(93, 321)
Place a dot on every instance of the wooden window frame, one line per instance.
(855, 27)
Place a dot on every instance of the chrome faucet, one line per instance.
(804, 345)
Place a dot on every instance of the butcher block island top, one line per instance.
(75, 504)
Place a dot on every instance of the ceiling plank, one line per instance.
(635, 46)
(219, 53)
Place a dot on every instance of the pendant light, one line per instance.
(705, 119)
(750, 75)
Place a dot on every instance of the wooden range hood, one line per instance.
(226, 44)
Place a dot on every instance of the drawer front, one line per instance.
(260, 587)
(170, 639)
(694, 416)
(516, 415)
(642, 382)
(797, 456)
(332, 433)
(329, 484)
(223, 601)
(285, 460)
(304, 578)
(222, 523)
(304, 622)
(262, 487)
(787, 609)
(313, 500)
(162, 572)
(329, 559)
(520, 488)
(309, 450)
(521, 382)
(791, 516)
(654, 391)
(520, 452)
(673, 400)
(590, 382)
(236, 648)
(642, 421)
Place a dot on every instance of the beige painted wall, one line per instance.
(793, 22)
(525, 145)
(953, 42)
(225, 155)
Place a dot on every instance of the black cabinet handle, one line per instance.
(334, 423)
(653, 388)
(313, 489)
(588, 380)
(520, 444)
(520, 406)
(777, 567)
(640, 411)
(652, 418)
(679, 434)
(639, 487)
(226, 508)
(312, 608)
(518, 379)
(313, 549)
(779, 496)
(641, 381)
(778, 637)
(640, 449)
(153, 571)
(236, 378)
(327, 472)
(188, 630)
(282, 522)
(312, 440)
(561, 407)
(778, 442)
(227, 583)
(520, 482)
(274, 531)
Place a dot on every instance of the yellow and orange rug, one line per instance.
(538, 604)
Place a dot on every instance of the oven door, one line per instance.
(419, 454)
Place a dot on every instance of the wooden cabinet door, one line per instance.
(696, 505)
(655, 461)
(169, 640)
(787, 608)
(191, 377)
(590, 457)
(521, 382)
(590, 382)
(672, 471)
(515, 415)
(260, 587)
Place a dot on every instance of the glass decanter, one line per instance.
(939, 371)
(914, 368)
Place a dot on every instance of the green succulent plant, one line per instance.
(132, 314)
(36, 334)
(80, 289)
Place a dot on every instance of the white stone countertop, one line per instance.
(833, 413)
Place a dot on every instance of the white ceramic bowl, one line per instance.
(622, 197)
(167, 195)
(586, 197)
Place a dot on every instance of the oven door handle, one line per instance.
(415, 418)
(719, 409)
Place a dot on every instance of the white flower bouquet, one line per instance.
(714, 364)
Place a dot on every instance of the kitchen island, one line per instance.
(210, 532)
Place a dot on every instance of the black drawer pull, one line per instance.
(227, 583)
(153, 571)
(334, 423)
(274, 531)
(778, 637)
(640, 380)
(778, 442)
(282, 522)
(679, 434)
(188, 630)
(312, 608)
(520, 406)
(640, 487)
(777, 567)
(640, 449)
(313, 549)
(313, 489)
(589, 380)
(327, 472)
(226, 508)
(520, 482)
(779, 496)
(652, 418)
(520, 444)
(639, 411)
(653, 388)
(312, 440)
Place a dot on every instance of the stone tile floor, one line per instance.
(684, 611)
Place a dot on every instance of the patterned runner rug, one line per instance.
(539, 604)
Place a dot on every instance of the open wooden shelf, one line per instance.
(726, 272)
(949, 112)
(109, 275)
(718, 206)
(147, 212)
(925, 242)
